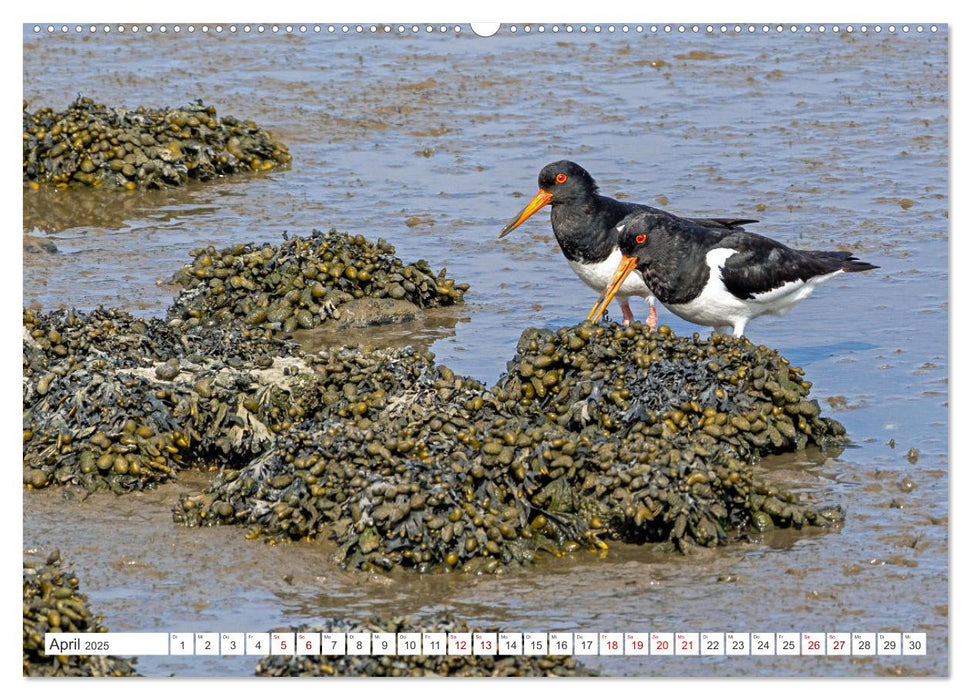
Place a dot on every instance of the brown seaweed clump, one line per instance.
(94, 145)
(53, 603)
(596, 433)
(302, 282)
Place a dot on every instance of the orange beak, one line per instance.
(627, 266)
(541, 199)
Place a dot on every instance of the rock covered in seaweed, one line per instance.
(302, 282)
(419, 665)
(595, 433)
(95, 145)
(104, 406)
(53, 603)
(432, 471)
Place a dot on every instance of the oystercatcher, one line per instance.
(584, 225)
(719, 278)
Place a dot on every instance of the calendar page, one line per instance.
(592, 348)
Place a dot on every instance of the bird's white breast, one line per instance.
(598, 275)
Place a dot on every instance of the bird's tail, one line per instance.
(847, 262)
(854, 265)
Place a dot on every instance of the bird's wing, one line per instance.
(761, 265)
(724, 223)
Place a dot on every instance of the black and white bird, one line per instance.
(584, 223)
(718, 278)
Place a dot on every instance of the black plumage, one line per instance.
(584, 223)
(720, 277)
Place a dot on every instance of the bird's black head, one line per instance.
(566, 180)
(559, 183)
(634, 233)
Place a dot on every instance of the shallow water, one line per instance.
(432, 142)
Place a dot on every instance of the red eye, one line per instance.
(561, 178)
(640, 237)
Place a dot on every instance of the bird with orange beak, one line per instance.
(718, 278)
(584, 223)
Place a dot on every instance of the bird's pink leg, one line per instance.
(628, 314)
(652, 318)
